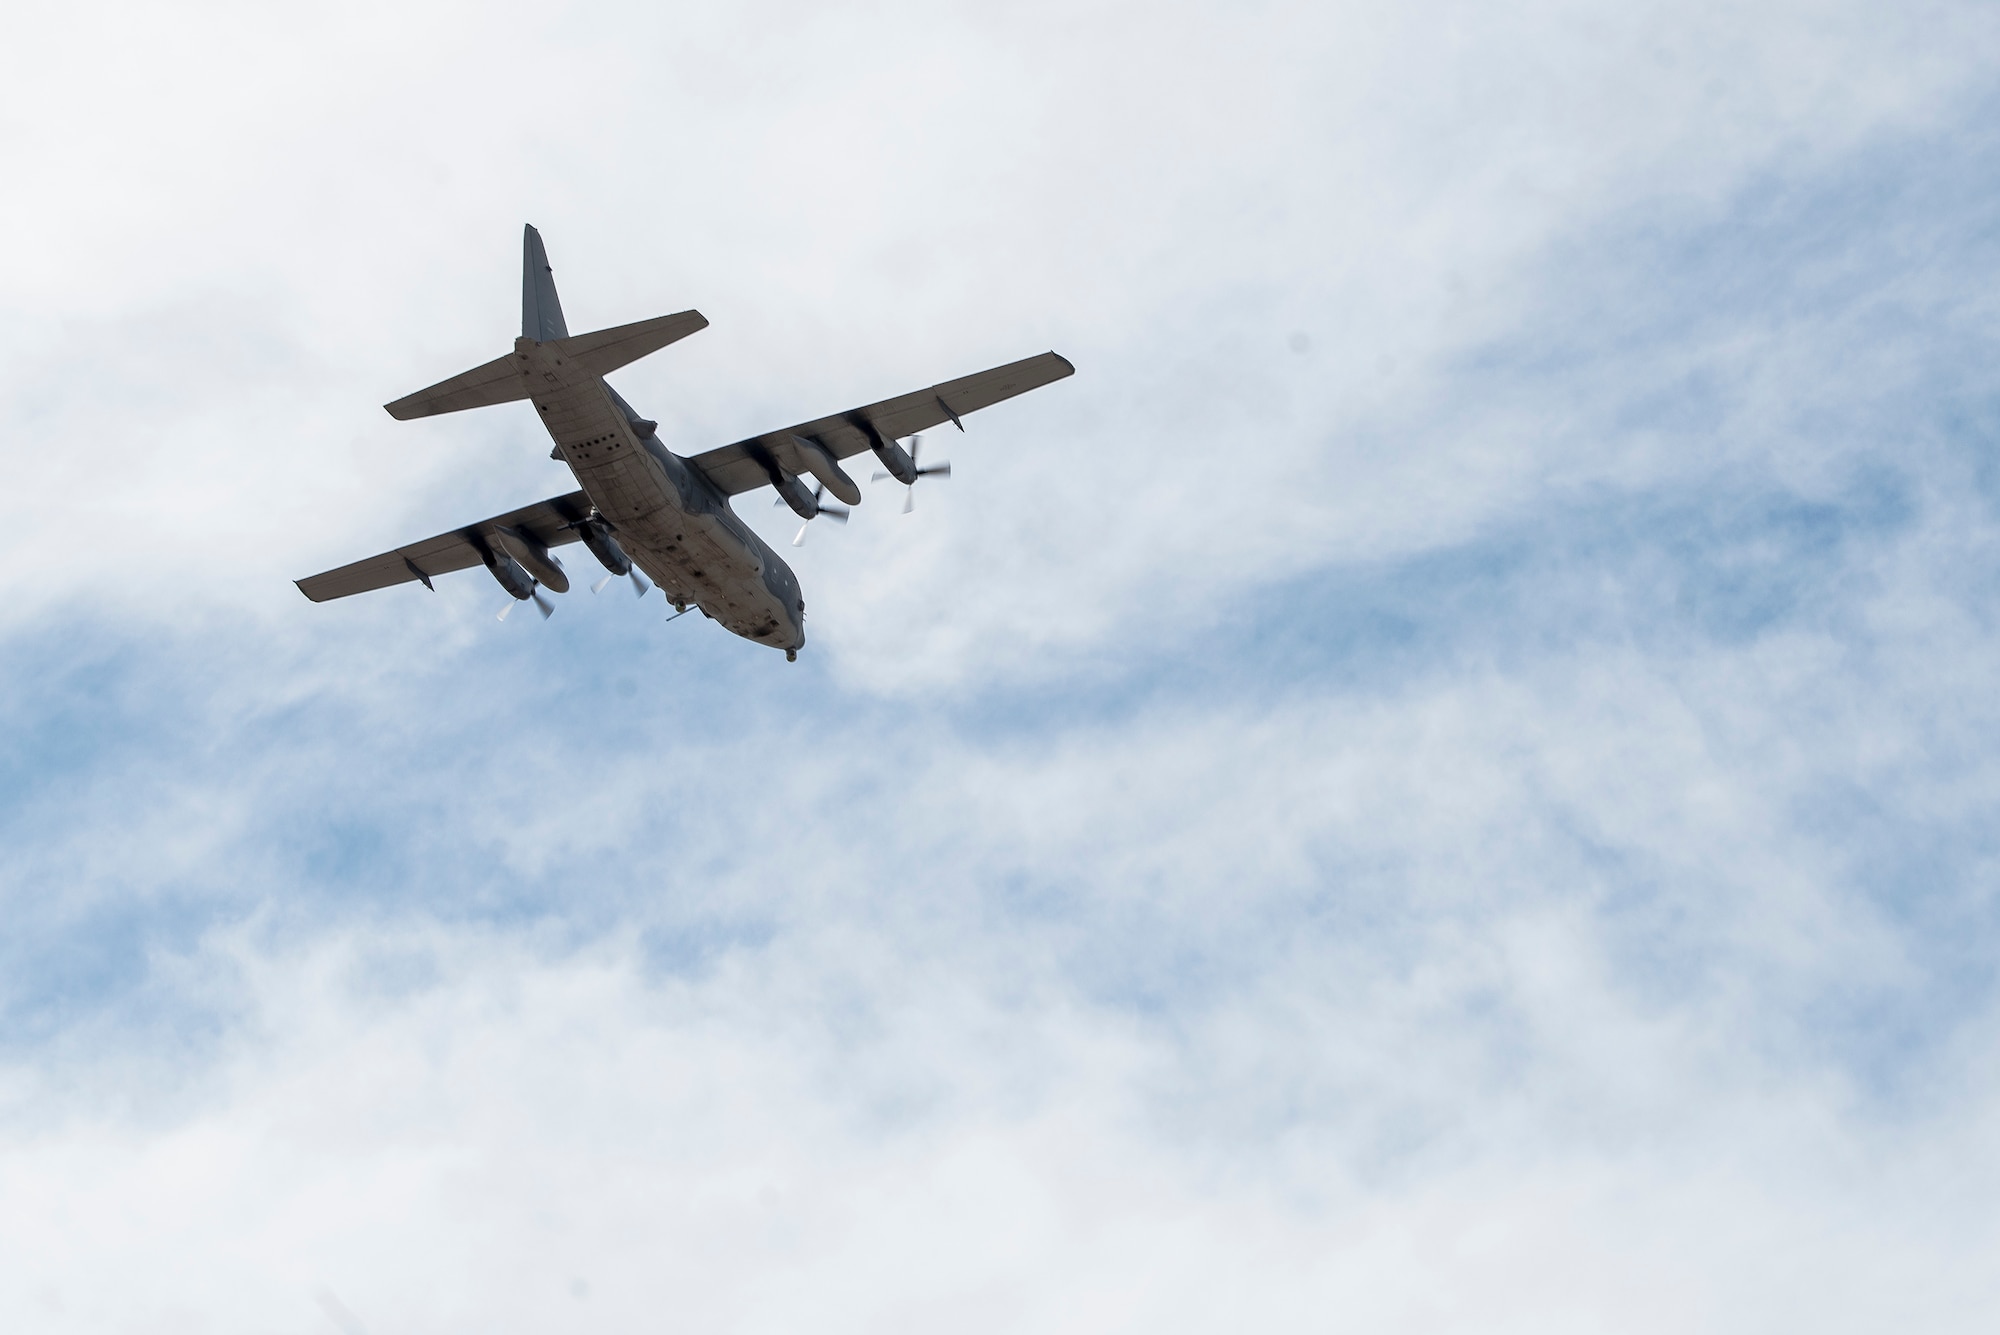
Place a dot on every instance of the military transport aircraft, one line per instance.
(642, 505)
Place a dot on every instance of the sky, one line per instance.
(1445, 781)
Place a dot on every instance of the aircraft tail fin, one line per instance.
(541, 309)
(505, 379)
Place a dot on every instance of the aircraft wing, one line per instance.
(736, 468)
(547, 520)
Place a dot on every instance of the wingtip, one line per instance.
(1069, 367)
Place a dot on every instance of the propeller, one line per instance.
(596, 532)
(935, 470)
(639, 584)
(837, 513)
(542, 605)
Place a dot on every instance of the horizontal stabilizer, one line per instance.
(605, 350)
(498, 381)
(505, 379)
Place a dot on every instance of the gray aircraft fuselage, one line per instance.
(669, 518)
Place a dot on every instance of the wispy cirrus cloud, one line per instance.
(1473, 814)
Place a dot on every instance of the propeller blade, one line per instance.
(936, 470)
(504, 611)
(837, 513)
(599, 586)
(909, 499)
(916, 446)
(543, 605)
(639, 584)
(880, 476)
(799, 539)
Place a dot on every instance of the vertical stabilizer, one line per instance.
(541, 310)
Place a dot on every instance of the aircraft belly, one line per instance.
(585, 422)
(628, 490)
(695, 558)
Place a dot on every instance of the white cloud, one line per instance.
(229, 269)
(1484, 1001)
(452, 1131)
(1091, 945)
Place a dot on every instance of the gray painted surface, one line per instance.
(670, 515)
(541, 310)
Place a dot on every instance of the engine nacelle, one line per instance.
(819, 461)
(894, 458)
(596, 535)
(794, 494)
(512, 577)
(540, 563)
